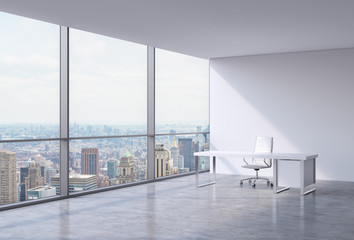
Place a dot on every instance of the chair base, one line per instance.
(252, 180)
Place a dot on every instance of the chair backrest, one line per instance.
(263, 145)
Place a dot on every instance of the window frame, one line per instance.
(65, 138)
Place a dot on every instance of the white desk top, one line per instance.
(283, 156)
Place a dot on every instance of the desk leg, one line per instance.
(197, 173)
(275, 178)
(313, 185)
(302, 174)
(275, 175)
(214, 168)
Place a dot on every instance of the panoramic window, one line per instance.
(182, 106)
(29, 96)
(107, 111)
(108, 97)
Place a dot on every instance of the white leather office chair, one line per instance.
(263, 145)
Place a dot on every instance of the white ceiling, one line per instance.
(205, 28)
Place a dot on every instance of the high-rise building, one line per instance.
(48, 173)
(172, 136)
(180, 162)
(24, 174)
(34, 178)
(77, 182)
(163, 161)
(38, 158)
(206, 135)
(186, 150)
(199, 137)
(90, 162)
(126, 170)
(8, 184)
(112, 168)
(174, 153)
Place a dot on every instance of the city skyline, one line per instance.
(31, 155)
(37, 131)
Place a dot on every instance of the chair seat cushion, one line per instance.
(254, 166)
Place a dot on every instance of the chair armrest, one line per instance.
(265, 162)
(244, 159)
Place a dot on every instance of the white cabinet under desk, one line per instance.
(296, 170)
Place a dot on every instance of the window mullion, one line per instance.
(151, 113)
(64, 111)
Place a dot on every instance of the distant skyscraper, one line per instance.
(112, 168)
(172, 136)
(163, 161)
(90, 162)
(174, 153)
(47, 148)
(89, 129)
(24, 174)
(8, 184)
(180, 162)
(206, 135)
(186, 150)
(34, 178)
(38, 158)
(199, 137)
(48, 173)
(126, 173)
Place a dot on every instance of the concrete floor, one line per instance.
(176, 209)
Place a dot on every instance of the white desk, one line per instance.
(306, 164)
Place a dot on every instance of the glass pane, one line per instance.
(105, 162)
(108, 86)
(27, 169)
(182, 93)
(174, 153)
(29, 78)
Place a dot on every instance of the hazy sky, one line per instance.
(107, 78)
(29, 70)
(181, 88)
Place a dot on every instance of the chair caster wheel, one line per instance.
(271, 184)
(241, 183)
(253, 185)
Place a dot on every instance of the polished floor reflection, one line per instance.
(176, 209)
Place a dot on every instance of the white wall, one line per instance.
(304, 100)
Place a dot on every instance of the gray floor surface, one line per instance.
(176, 209)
